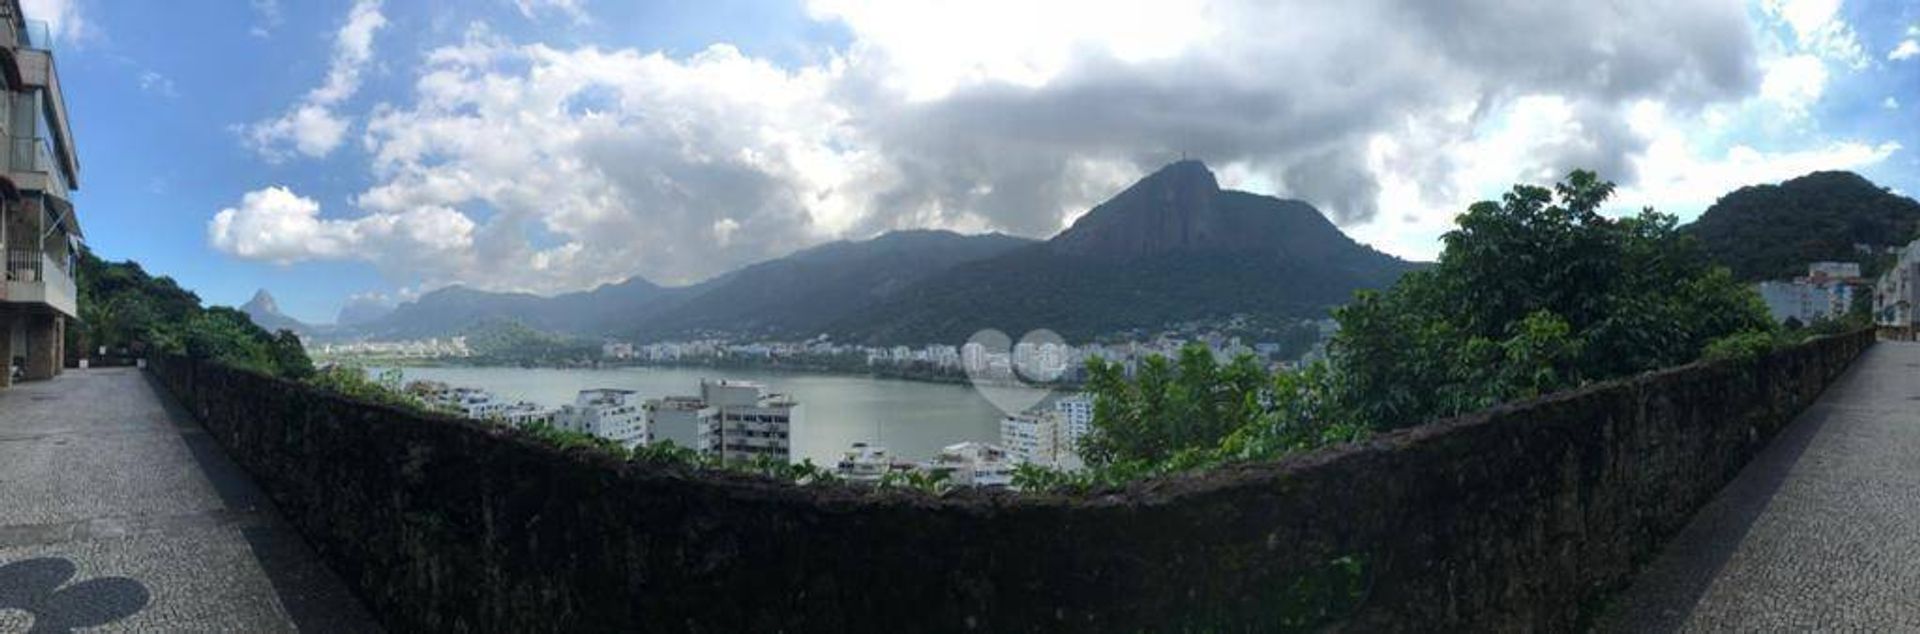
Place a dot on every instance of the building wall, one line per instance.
(1512, 519)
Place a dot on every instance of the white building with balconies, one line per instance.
(39, 232)
(611, 414)
(743, 422)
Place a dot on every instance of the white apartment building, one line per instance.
(677, 419)
(611, 414)
(1826, 292)
(741, 421)
(1894, 294)
(1033, 437)
(1049, 437)
(1076, 411)
(1804, 300)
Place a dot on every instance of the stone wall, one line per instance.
(1520, 517)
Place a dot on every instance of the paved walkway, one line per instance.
(117, 510)
(1821, 532)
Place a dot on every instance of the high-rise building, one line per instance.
(39, 231)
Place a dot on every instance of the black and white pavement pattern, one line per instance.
(119, 513)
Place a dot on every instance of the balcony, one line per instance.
(33, 168)
(34, 277)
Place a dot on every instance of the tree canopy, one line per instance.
(127, 311)
(1533, 293)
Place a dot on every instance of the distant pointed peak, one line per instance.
(263, 301)
(1185, 172)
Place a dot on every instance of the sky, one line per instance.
(367, 151)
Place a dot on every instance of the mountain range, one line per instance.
(1172, 247)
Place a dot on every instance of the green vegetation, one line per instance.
(1772, 231)
(347, 380)
(129, 312)
(505, 341)
(1532, 294)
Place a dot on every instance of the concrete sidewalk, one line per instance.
(1821, 532)
(117, 510)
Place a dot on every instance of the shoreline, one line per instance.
(944, 379)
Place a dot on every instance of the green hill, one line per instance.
(1772, 231)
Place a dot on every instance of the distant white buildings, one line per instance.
(867, 464)
(430, 348)
(1049, 437)
(607, 413)
(1894, 294)
(479, 404)
(1826, 292)
(973, 464)
(736, 420)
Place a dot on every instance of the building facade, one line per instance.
(1825, 292)
(39, 232)
(677, 419)
(743, 422)
(1894, 294)
(615, 415)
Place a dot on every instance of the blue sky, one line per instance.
(330, 149)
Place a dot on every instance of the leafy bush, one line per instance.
(1747, 345)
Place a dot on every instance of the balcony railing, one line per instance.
(33, 155)
(33, 276)
(38, 35)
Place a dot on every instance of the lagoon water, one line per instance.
(912, 419)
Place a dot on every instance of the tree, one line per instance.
(124, 308)
(1535, 293)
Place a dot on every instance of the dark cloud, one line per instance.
(1295, 92)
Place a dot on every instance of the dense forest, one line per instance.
(1767, 232)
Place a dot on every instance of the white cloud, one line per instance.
(312, 127)
(158, 84)
(929, 48)
(276, 225)
(548, 169)
(1819, 28)
(575, 9)
(1795, 83)
(1890, 103)
(597, 165)
(63, 17)
(267, 16)
(1906, 49)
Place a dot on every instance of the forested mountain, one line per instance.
(794, 296)
(1170, 248)
(455, 309)
(803, 294)
(1772, 231)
